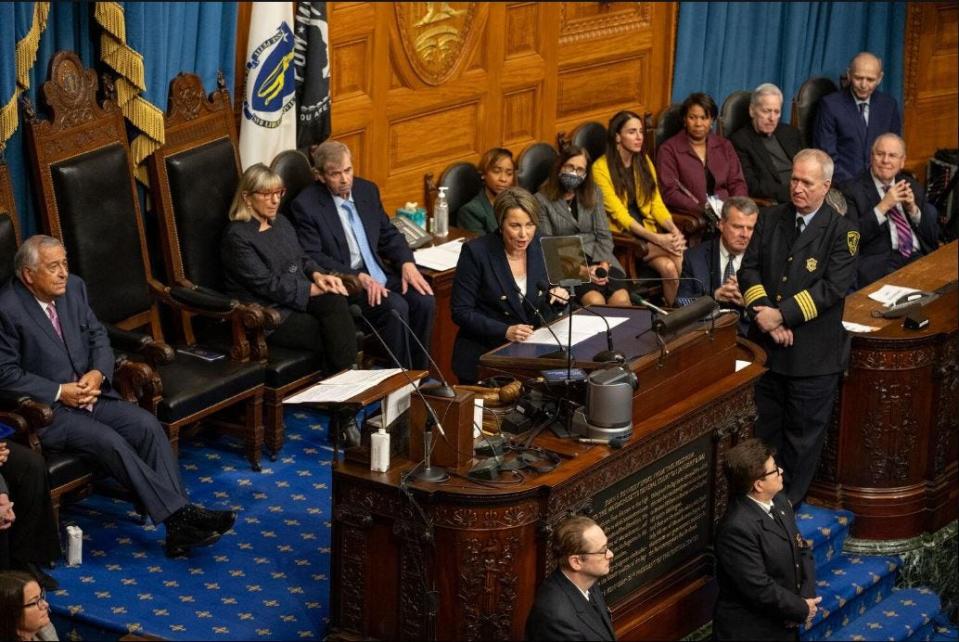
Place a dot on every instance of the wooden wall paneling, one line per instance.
(931, 87)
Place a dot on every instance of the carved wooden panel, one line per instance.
(522, 29)
(521, 116)
(452, 133)
(351, 71)
(626, 81)
(581, 21)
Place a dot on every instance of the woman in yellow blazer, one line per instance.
(627, 179)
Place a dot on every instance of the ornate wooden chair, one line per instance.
(83, 170)
(806, 103)
(734, 113)
(297, 173)
(591, 136)
(533, 165)
(462, 182)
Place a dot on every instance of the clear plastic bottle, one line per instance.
(380, 451)
(441, 214)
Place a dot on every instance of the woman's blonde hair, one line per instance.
(515, 197)
(257, 178)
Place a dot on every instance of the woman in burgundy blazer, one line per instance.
(696, 162)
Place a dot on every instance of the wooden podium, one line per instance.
(462, 559)
(892, 454)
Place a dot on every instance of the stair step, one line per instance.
(901, 616)
(945, 630)
(849, 586)
(826, 528)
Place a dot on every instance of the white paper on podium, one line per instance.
(858, 327)
(889, 294)
(584, 327)
(439, 257)
(343, 386)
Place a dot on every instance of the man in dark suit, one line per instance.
(343, 227)
(53, 348)
(569, 605)
(710, 267)
(850, 120)
(766, 146)
(794, 277)
(764, 567)
(890, 209)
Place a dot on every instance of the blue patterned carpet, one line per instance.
(266, 579)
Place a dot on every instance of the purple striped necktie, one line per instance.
(903, 231)
(55, 320)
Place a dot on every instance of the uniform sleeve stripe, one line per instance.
(754, 293)
(806, 305)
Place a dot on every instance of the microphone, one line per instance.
(684, 316)
(439, 390)
(609, 354)
(562, 353)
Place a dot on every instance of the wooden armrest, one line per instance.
(138, 383)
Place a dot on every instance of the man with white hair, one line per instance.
(794, 276)
(766, 146)
(850, 120)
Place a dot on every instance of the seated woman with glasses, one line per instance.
(626, 177)
(264, 263)
(764, 566)
(24, 612)
(571, 204)
(498, 172)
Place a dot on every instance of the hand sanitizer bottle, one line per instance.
(441, 214)
(380, 451)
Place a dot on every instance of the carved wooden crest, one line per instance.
(187, 99)
(71, 91)
(436, 38)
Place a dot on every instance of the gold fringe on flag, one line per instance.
(26, 56)
(127, 62)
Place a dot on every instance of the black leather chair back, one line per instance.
(464, 182)
(202, 183)
(297, 173)
(806, 103)
(734, 113)
(591, 136)
(668, 123)
(533, 166)
(8, 247)
(98, 221)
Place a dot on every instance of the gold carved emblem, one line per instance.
(436, 37)
(811, 264)
(852, 240)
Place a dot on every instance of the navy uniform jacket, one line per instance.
(764, 570)
(485, 301)
(807, 280)
(560, 612)
(875, 251)
(321, 232)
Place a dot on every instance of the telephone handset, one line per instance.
(906, 304)
(415, 235)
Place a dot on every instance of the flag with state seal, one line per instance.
(268, 125)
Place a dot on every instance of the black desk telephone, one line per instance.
(415, 235)
(906, 304)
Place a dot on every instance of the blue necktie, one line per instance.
(359, 233)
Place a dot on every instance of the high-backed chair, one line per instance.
(84, 175)
(533, 166)
(734, 113)
(668, 124)
(806, 103)
(591, 136)
(462, 182)
(297, 173)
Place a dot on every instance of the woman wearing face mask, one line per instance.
(626, 177)
(697, 161)
(498, 172)
(571, 204)
(24, 612)
(496, 287)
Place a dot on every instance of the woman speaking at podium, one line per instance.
(495, 295)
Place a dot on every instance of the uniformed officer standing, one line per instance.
(794, 277)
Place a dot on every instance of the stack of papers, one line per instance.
(439, 257)
(343, 386)
(584, 327)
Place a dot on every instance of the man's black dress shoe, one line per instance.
(219, 521)
(182, 535)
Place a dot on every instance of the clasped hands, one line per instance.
(673, 242)
(898, 193)
(770, 320)
(729, 292)
(84, 392)
(7, 515)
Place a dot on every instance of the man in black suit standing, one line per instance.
(764, 567)
(569, 605)
(766, 146)
(890, 208)
(710, 267)
(53, 348)
(794, 277)
(343, 227)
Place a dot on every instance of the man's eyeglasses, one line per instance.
(603, 551)
(776, 470)
(36, 602)
(277, 192)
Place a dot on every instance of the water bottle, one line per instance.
(441, 214)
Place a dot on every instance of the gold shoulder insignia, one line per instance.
(852, 240)
(811, 264)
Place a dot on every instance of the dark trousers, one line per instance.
(33, 536)
(326, 329)
(794, 413)
(416, 309)
(129, 443)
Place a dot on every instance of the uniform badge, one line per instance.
(811, 264)
(852, 240)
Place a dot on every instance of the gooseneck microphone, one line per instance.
(440, 390)
(562, 352)
(609, 354)
(684, 316)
